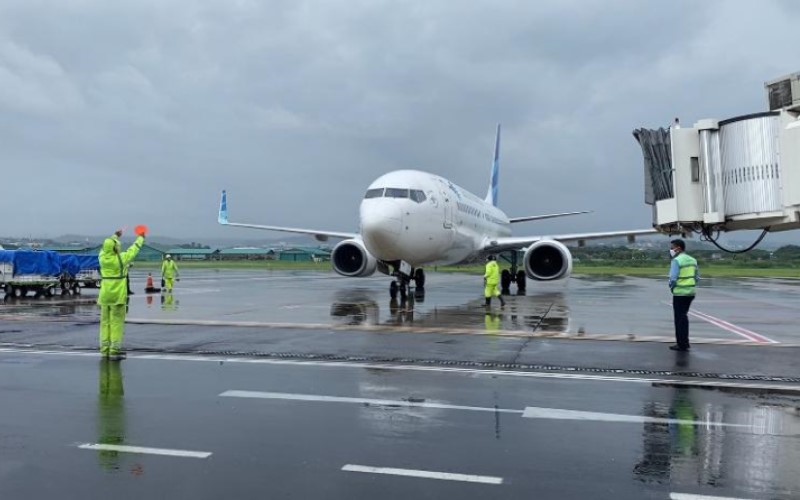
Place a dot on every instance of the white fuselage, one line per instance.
(424, 219)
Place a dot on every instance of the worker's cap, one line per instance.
(169, 256)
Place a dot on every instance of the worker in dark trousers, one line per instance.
(683, 276)
(491, 280)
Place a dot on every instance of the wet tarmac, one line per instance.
(307, 385)
(207, 428)
(726, 310)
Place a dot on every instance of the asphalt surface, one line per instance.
(726, 310)
(298, 385)
(320, 316)
(275, 447)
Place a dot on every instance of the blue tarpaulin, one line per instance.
(88, 262)
(69, 264)
(73, 264)
(7, 256)
(33, 262)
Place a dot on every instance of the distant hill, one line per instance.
(211, 242)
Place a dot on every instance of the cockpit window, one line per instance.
(396, 193)
(374, 193)
(417, 195)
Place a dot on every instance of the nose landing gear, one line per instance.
(401, 285)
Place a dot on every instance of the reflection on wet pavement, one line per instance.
(538, 312)
(169, 302)
(110, 413)
(581, 306)
(51, 307)
(710, 455)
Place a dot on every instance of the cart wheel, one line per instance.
(76, 288)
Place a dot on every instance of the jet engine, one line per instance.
(351, 258)
(548, 260)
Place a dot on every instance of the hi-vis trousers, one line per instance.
(112, 328)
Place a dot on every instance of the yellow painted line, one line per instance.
(626, 337)
(612, 337)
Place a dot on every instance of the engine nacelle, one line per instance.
(351, 258)
(548, 260)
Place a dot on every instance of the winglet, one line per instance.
(223, 208)
(491, 196)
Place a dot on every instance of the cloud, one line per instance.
(144, 110)
(34, 83)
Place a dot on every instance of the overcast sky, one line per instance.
(141, 111)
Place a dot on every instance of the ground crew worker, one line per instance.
(683, 276)
(113, 296)
(491, 280)
(169, 271)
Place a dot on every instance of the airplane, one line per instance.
(410, 219)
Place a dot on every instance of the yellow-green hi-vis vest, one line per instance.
(687, 272)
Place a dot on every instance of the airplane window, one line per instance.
(396, 193)
(417, 195)
(374, 193)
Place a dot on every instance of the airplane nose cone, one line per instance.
(381, 225)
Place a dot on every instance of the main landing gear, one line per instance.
(401, 286)
(514, 275)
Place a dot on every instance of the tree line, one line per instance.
(788, 255)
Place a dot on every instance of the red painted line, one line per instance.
(721, 325)
(725, 325)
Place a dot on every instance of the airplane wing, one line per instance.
(542, 217)
(517, 242)
(319, 235)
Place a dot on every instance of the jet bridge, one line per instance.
(728, 175)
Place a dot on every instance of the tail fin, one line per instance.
(491, 196)
(223, 208)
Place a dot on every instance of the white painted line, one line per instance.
(145, 451)
(559, 414)
(689, 496)
(377, 402)
(446, 476)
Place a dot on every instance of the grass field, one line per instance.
(661, 271)
(657, 271)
